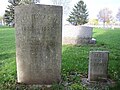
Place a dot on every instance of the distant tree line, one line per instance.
(78, 16)
(105, 16)
(9, 12)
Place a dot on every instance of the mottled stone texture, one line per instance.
(77, 35)
(98, 64)
(38, 43)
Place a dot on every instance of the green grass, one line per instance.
(74, 60)
(7, 58)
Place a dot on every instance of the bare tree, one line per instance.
(64, 3)
(118, 15)
(105, 15)
(30, 1)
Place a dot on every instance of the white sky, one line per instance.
(93, 6)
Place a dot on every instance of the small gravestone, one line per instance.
(98, 64)
(98, 71)
(38, 43)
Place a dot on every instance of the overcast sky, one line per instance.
(93, 5)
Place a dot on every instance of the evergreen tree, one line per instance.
(79, 15)
(18, 2)
(14, 2)
(9, 15)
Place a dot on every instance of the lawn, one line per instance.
(74, 60)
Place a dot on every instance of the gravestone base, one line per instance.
(98, 85)
(76, 41)
(32, 87)
(92, 41)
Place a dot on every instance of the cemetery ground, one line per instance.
(74, 61)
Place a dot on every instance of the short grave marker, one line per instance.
(98, 64)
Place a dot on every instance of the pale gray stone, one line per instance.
(98, 65)
(38, 43)
(77, 35)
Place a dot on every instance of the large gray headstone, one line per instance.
(98, 64)
(38, 43)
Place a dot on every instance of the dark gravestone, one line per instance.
(98, 64)
(38, 43)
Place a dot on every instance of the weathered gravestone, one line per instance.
(77, 35)
(98, 64)
(38, 43)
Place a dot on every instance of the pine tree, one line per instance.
(9, 15)
(79, 15)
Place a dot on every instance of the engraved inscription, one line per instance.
(98, 63)
(38, 43)
(43, 17)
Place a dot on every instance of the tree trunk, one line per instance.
(103, 24)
